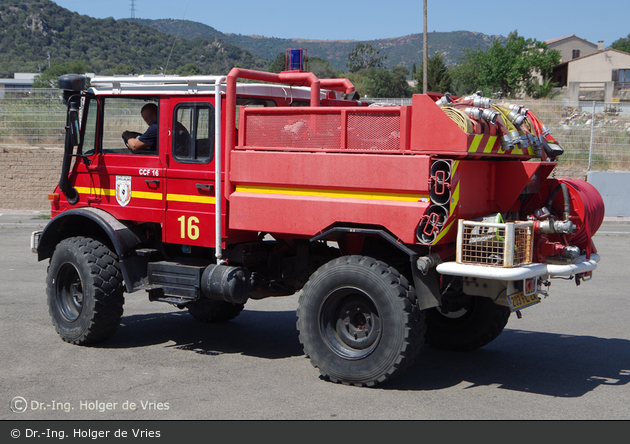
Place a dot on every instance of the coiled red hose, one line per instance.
(587, 206)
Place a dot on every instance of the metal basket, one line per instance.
(507, 244)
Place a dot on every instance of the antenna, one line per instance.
(133, 9)
(175, 41)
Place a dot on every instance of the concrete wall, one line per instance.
(27, 176)
(598, 67)
(614, 189)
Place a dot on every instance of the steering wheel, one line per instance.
(134, 135)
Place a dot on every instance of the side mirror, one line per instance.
(73, 127)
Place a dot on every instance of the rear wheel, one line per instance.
(470, 324)
(207, 310)
(85, 291)
(358, 321)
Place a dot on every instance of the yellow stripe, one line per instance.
(96, 191)
(490, 144)
(475, 144)
(443, 233)
(454, 199)
(454, 168)
(331, 193)
(146, 195)
(191, 199)
(108, 192)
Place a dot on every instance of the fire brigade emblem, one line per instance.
(123, 190)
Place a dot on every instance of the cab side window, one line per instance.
(193, 133)
(125, 115)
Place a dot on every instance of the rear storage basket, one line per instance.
(507, 244)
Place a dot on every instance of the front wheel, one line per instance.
(470, 324)
(358, 321)
(85, 291)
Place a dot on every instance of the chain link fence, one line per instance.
(35, 119)
(594, 135)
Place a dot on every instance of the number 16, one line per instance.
(189, 227)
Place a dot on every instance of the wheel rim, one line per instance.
(69, 292)
(350, 323)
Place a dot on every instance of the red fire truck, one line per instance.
(397, 225)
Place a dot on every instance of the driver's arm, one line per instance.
(134, 143)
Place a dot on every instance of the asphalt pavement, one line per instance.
(568, 358)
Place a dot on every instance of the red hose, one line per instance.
(587, 212)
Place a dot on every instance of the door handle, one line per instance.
(152, 182)
(205, 186)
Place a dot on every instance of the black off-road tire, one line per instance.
(476, 324)
(85, 291)
(207, 310)
(359, 322)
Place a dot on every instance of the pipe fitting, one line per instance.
(444, 100)
(516, 118)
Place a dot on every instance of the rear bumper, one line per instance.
(582, 265)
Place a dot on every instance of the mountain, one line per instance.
(32, 35)
(404, 51)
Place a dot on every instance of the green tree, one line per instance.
(506, 69)
(381, 83)
(438, 76)
(123, 69)
(364, 56)
(622, 44)
(279, 64)
(322, 68)
(48, 78)
(189, 69)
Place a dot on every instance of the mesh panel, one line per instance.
(488, 245)
(365, 131)
(308, 131)
(374, 131)
(522, 245)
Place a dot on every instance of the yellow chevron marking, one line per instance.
(490, 144)
(475, 144)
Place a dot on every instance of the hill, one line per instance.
(36, 34)
(404, 51)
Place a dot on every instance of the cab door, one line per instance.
(190, 176)
(128, 185)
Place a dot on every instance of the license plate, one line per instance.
(519, 300)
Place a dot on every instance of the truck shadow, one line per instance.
(549, 364)
(264, 334)
(533, 362)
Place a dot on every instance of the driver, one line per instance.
(148, 140)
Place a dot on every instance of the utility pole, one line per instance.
(133, 9)
(424, 52)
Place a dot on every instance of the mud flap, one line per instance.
(427, 288)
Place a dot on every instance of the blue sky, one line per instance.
(370, 19)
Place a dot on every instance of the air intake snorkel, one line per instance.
(72, 85)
